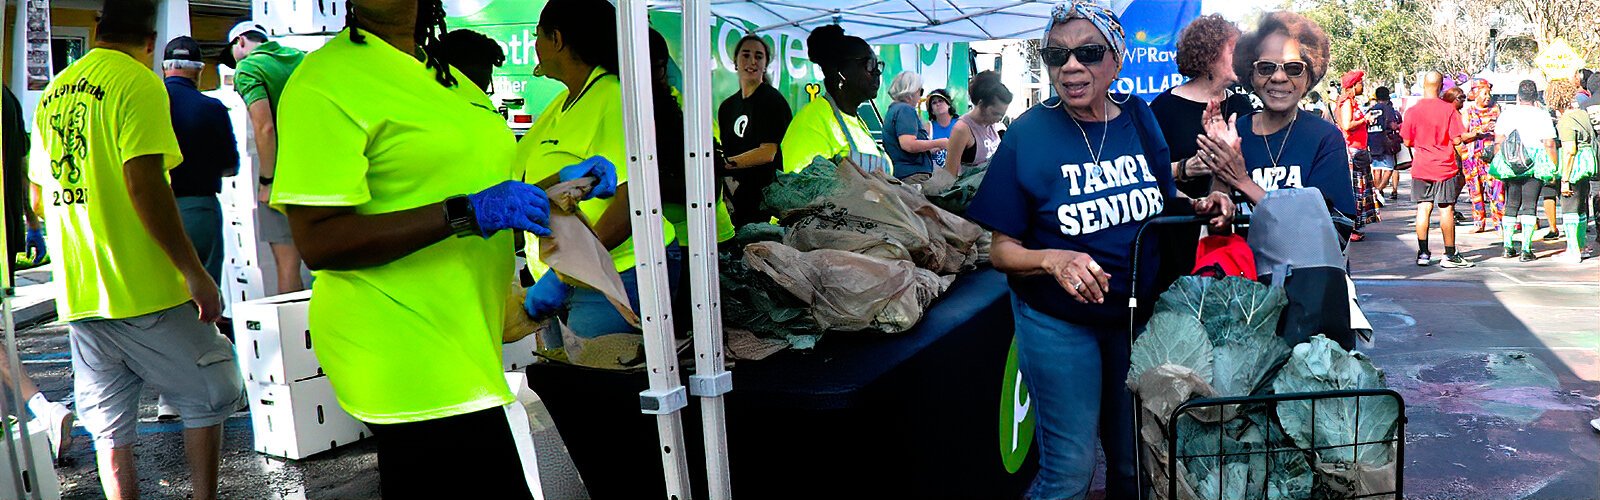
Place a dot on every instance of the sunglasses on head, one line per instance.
(1086, 54)
(1292, 69)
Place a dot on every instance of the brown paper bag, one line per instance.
(575, 253)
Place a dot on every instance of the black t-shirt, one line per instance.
(16, 191)
(1180, 124)
(746, 123)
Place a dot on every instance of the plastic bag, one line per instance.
(857, 214)
(848, 291)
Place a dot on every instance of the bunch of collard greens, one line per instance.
(1211, 338)
(1321, 365)
(1237, 318)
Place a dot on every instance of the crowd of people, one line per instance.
(389, 173)
(1447, 134)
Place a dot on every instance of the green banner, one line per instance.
(511, 24)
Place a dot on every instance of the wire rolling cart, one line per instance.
(1266, 404)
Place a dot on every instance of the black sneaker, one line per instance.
(1460, 219)
(1553, 236)
(1510, 253)
(1454, 261)
(1424, 259)
(1528, 256)
(1394, 195)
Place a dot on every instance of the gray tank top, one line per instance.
(984, 141)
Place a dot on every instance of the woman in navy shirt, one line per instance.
(1065, 195)
(1283, 146)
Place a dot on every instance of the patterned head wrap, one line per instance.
(1102, 18)
(1479, 86)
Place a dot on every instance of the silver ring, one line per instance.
(1077, 286)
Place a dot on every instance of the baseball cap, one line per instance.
(233, 35)
(182, 48)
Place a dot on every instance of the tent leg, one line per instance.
(711, 379)
(666, 396)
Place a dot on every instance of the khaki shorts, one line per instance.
(274, 226)
(186, 361)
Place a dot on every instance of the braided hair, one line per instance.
(430, 26)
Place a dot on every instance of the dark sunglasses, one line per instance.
(870, 63)
(1293, 69)
(1086, 54)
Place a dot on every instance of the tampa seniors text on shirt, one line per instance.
(1088, 216)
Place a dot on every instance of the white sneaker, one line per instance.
(165, 412)
(60, 419)
(1595, 424)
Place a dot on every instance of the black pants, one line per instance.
(747, 198)
(1578, 203)
(465, 456)
(1523, 196)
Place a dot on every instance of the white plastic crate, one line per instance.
(242, 238)
(300, 17)
(244, 284)
(43, 480)
(273, 339)
(300, 419)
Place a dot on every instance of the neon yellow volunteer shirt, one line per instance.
(102, 111)
(592, 126)
(815, 132)
(368, 127)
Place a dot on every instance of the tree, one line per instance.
(1571, 20)
(1380, 37)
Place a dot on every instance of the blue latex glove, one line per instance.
(601, 169)
(546, 296)
(36, 249)
(512, 205)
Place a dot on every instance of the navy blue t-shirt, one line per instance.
(902, 120)
(1384, 118)
(1314, 156)
(1044, 189)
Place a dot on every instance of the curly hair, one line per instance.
(1200, 44)
(1314, 48)
(1559, 94)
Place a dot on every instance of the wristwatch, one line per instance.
(463, 220)
(265, 181)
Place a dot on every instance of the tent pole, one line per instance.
(711, 379)
(666, 395)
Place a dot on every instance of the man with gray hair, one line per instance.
(904, 138)
(205, 135)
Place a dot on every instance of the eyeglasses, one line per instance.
(1292, 69)
(1086, 54)
(870, 63)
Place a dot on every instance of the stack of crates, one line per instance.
(243, 252)
(292, 407)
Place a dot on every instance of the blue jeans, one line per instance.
(1076, 377)
(590, 315)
